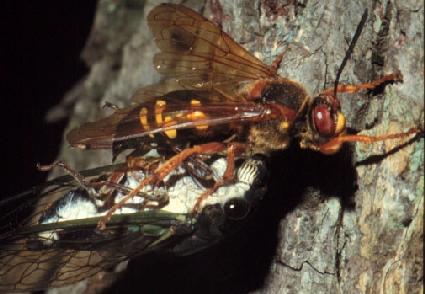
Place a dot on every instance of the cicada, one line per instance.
(57, 243)
(217, 98)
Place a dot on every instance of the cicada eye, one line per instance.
(236, 208)
(323, 120)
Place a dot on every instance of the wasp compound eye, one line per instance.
(236, 208)
(323, 121)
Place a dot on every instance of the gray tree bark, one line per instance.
(357, 228)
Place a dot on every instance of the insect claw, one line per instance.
(101, 225)
(276, 62)
(110, 105)
(49, 167)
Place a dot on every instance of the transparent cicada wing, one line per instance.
(31, 261)
(57, 244)
(42, 253)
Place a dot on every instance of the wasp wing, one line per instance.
(206, 113)
(197, 54)
(199, 62)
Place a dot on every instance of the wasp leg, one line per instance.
(111, 105)
(194, 165)
(161, 172)
(335, 144)
(228, 175)
(396, 77)
(276, 62)
(142, 163)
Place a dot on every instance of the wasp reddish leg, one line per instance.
(228, 175)
(334, 144)
(395, 77)
(276, 62)
(161, 172)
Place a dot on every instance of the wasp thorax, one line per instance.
(285, 92)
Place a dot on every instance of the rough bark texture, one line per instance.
(350, 223)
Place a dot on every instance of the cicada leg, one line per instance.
(196, 167)
(106, 187)
(64, 166)
(396, 77)
(161, 172)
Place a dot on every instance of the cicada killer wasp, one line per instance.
(56, 243)
(217, 98)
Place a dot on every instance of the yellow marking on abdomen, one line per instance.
(171, 133)
(197, 115)
(284, 125)
(164, 122)
(143, 117)
(159, 108)
(195, 102)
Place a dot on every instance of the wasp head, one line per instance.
(324, 122)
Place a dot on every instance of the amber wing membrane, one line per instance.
(201, 111)
(197, 54)
(199, 62)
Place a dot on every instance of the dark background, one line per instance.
(41, 42)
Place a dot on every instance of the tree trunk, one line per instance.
(349, 223)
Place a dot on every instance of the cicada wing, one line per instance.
(31, 270)
(36, 255)
(27, 264)
(41, 256)
(44, 251)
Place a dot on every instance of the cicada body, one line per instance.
(58, 243)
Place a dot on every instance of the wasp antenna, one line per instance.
(350, 49)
